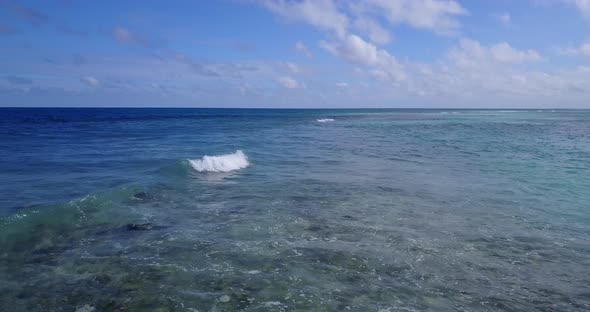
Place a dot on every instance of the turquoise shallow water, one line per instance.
(374, 210)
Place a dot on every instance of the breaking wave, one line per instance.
(222, 163)
(324, 120)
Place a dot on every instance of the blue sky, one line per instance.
(296, 53)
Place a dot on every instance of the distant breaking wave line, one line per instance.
(324, 120)
(221, 163)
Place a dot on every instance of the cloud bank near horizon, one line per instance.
(297, 53)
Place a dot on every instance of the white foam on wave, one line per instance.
(221, 163)
(324, 120)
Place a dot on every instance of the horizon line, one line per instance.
(286, 108)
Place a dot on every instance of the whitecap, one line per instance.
(221, 163)
(324, 120)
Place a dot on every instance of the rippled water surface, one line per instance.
(301, 210)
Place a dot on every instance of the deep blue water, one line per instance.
(370, 210)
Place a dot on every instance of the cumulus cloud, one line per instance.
(354, 49)
(331, 16)
(474, 74)
(582, 50)
(90, 81)
(438, 16)
(471, 53)
(356, 32)
(503, 52)
(288, 82)
(487, 73)
(442, 82)
(373, 30)
(319, 13)
(360, 52)
(302, 49)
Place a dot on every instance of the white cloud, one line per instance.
(582, 5)
(503, 52)
(477, 75)
(354, 49)
(319, 13)
(503, 18)
(90, 81)
(360, 52)
(445, 82)
(471, 53)
(582, 50)
(438, 16)
(376, 32)
(585, 49)
(302, 49)
(474, 74)
(288, 82)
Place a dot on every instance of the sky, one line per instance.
(296, 53)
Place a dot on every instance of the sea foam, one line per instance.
(324, 120)
(221, 163)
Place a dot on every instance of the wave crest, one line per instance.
(324, 119)
(221, 163)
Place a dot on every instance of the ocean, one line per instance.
(294, 210)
